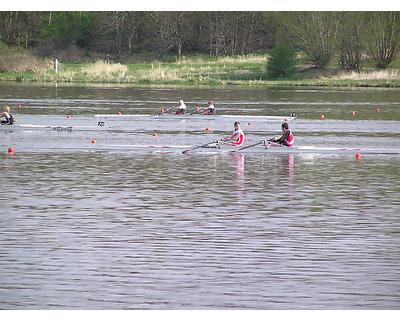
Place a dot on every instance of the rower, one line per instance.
(210, 109)
(181, 108)
(287, 138)
(6, 117)
(236, 138)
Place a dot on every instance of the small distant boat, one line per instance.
(36, 127)
(168, 116)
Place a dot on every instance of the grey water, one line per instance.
(120, 230)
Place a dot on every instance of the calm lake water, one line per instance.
(120, 230)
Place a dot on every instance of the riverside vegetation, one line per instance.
(19, 65)
(210, 48)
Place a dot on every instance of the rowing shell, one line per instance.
(133, 117)
(270, 148)
(35, 127)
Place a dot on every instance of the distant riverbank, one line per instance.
(241, 70)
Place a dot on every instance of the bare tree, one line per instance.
(351, 40)
(383, 37)
(314, 33)
(174, 30)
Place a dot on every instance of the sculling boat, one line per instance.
(260, 149)
(168, 116)
(36, 127)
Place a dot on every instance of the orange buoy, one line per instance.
(93, 141)
(11, 151)
(322, 116)
(358, 156)
(354, 113)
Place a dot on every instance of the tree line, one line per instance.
(351, 36)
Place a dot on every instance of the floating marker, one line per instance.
(155, 134)
(358, 156)
(354, 113)
(11, 151)
(322, 116)
(93, 141)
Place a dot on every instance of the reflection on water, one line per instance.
(84, 230)
(162, 231)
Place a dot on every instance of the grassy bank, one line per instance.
(241, 70)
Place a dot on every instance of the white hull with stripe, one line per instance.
(133, 117)
(270, 148)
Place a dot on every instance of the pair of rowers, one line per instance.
(181, 109)
(6, 117)
(237, 136)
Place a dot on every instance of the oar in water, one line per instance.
(198, 147)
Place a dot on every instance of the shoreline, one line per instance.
(243, 71)
(222, 83)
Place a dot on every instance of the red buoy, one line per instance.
(11, 151)
(358, 156)
(93, 141)
(322, 116)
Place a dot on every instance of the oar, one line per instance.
(164, 110)
(246, 147)
(198, 147)
(198, 111)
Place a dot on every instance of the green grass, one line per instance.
(196, 70)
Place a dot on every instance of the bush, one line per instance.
(281, 63)
(18, 60)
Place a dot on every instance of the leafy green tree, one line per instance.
(282, 62)
(68, 28)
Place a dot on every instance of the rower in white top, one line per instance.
(181, 108)
(236, 139)
(6, 117)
